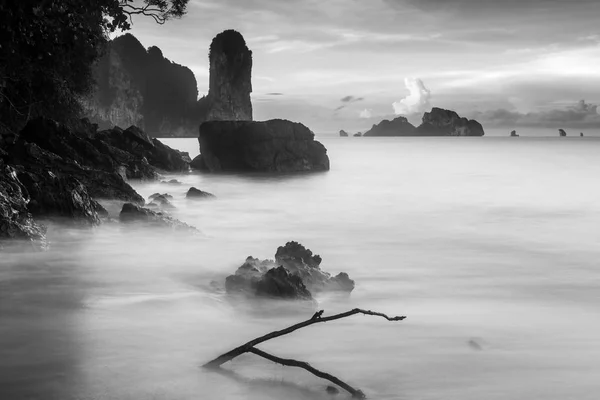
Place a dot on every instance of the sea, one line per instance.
(489, 246)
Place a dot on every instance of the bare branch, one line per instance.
(356, 393)
(317, 318)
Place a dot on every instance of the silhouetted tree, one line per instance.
(48, 47)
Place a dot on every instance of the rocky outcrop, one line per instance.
(562, 132)
(513, 134)
(16, 223)
(194, 193)
(343, 133)
(357, 134)
(440, 122)
(230, 78)
(279, 283)
(268, 146)
(300, 264)
(161, 201)
(437, 122)
(397, 127)
(132, 213)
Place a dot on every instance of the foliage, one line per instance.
(48, 47)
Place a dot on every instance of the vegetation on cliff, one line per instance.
(48, 48)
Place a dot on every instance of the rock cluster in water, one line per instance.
(437, 122)
(294, 274)
(49, 170)
(268, 146)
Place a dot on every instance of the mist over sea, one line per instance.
(490, 247)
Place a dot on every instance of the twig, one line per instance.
(356, 393)
(315, 319)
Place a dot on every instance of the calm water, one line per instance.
(490, 246)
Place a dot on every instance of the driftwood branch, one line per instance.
(315, 319)
(304, 365)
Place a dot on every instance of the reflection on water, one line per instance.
(489, 246)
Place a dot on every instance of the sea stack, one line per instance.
(562, 132)
(514, 134)
(230, 78)
(343, 133)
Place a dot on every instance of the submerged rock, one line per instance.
(299, 262)
(194, 193)
(269, 146)
(132, 213)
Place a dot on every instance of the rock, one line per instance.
(269, 146)
(198, 163)
(357, 134)
(174, 182)
(562, 132)
(15, 220)
(194, 193)
(514, 134)
(161, 201)
(298, 261)
(279, 283)
(343, 133)
(132, 213)
(440, 122)
(397, 127)
(332, 390)
(230, 78)
(581, 134)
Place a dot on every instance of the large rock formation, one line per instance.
(230, 78)
(62, 171)
(397, 127)
(141, 87)
(295, 271)
(438, 122)
(275, 145)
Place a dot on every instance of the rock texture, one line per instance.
(397, 127)
(437, 122)
(440, 122)
(49, 171)
(15, 220)
(230, 78)
(300, 266)
(268, 146)
(194, 193)
(132, 213)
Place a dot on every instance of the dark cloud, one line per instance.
(351, 99)
(580, 115)
(274, 94)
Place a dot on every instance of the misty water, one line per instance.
(489, 246)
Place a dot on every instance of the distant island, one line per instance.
(437, 122)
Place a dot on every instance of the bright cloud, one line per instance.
(417, 101)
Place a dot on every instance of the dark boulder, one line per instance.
(15, 220)
(161, 201)
(198, 163)
(279, 283)
(132, 213)
(440, 122)
(269, 146)
(397, 127)
(298, 261)
(194, 193)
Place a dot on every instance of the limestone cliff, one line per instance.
(440, 122)
(396, 127)
(230, 78)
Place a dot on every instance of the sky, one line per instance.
(348, 64)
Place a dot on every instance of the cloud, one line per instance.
(274, 94)
(417, 101)
(579, 115)
(351, 99)
(366, 114)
